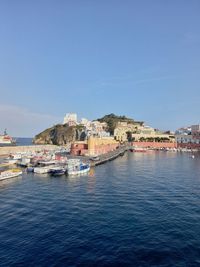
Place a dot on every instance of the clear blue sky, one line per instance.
(135, 58)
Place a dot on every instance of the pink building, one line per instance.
(79, 149)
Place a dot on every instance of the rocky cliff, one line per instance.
(60, 134)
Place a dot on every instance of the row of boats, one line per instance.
(71, 167)
(42, 163)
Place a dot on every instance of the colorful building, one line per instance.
(139, 132)
(188, 137)
(123, 128)
(94, 146)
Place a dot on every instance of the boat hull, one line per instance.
(10, 176)
(78, 172)
(138, 150)
(57, 171)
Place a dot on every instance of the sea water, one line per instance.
(142, 209)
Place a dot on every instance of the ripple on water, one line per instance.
(138, 210)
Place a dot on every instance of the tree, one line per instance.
(129, 136)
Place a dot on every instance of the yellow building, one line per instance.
(120, 132)
(139, 132)
(147, 133)
(98, 146)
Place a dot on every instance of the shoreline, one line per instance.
(103, 158)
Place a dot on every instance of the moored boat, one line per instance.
(42, 170)
(30, 169)
(82, 168)
(57, 171)
(10, 174)
(138, 149)
(24, 162)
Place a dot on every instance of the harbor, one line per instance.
(54, 160)
(99, 133)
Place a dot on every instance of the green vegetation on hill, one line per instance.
(62, 134)
(112, 120)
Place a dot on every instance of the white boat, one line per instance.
(13, 158)
(10, 174)
(24, 162)
(78, 169)
(47, 163)
(6, 140)
(16, 156)
(42, 170)
(138, 149)
(11, 161)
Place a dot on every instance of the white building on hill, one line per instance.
(70, 119)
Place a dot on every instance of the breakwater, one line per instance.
(17, 149)
(110, 156)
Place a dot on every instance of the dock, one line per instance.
(109, 156)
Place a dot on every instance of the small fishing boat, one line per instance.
(57, 171)
(10, 174)
(30, 169)
(78, 169)
(42, 170)
(138, 149)
(24, 162)
(13, 159)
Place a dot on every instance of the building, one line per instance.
(96, 128)
(85, 122)
(147, 133)
(188, 137)
(137, 131)
(123, 128)
(94, 146)
(195, 128)
(70, 119)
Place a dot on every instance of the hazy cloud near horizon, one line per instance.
(21, 122)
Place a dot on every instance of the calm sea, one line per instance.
(138, 210)
(23, 141)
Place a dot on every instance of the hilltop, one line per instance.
(112, 121)
(62, 134)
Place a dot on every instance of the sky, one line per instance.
(137, 58)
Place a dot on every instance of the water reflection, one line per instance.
(5, 183)
(91, 182)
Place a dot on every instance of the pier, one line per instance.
(103, 158)
(109, 156)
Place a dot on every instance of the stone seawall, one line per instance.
(155, 144)
(15, 149)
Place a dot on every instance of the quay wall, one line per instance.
(15, 149)
(189, 145)
(155, 144)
